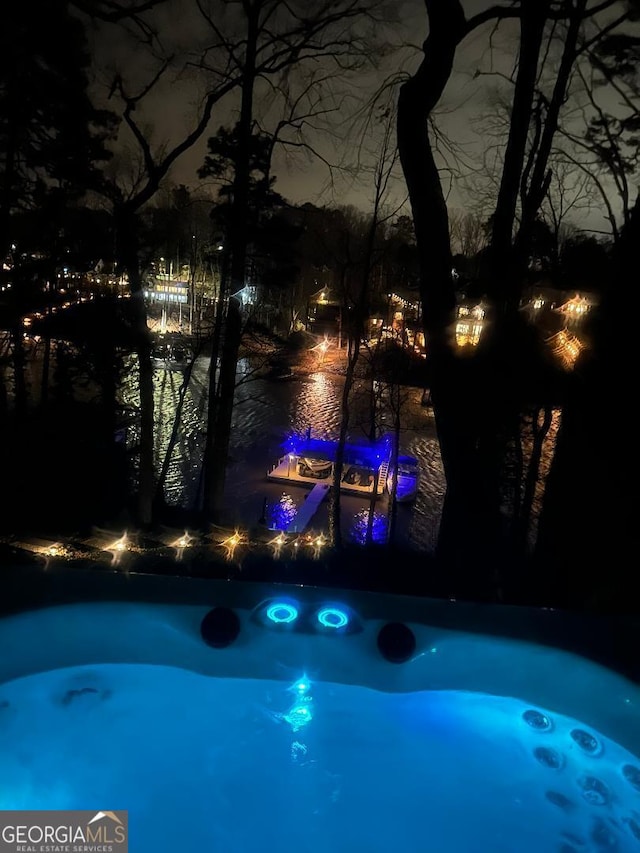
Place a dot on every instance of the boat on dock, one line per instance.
(308, 461)
(280, 372)
(408, 474)
(171, 351)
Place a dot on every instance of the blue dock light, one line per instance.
(333, 617)
(282, 612)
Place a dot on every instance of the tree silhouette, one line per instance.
(477, 401)
(51, 136)
(274, 39)
(52, 140)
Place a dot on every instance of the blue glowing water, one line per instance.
(281, 514)
(240, 765)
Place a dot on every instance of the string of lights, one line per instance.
(122, 550)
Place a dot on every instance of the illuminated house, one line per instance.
(168, 291)
(403, 308)
(576, 307)
(469, 323)
(324, 313)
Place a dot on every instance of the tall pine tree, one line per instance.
(51, 136)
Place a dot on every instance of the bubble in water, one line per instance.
(587, 742)
(559, 800)
(575, 840)
(548, 757)
(603, 837)
(594, 791)
(537, 720)
(298, 750)
(632, 775)
(634, 827)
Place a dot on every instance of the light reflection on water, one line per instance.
(281, 513)
(318, 406)
(361, 523)
(265, 412)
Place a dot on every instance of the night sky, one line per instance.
(464, 113)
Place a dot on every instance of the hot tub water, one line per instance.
(226, 764)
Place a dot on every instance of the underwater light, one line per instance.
(332, 617)
(302, 686)
(281, 612)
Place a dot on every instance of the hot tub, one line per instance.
(300, 730)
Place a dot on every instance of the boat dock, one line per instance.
(308, 509)
(310, 462)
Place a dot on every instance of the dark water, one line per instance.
(265, 412)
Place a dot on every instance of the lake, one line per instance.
(266, 411)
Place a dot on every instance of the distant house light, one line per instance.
(468, 333)
(477, 311)
(576, 307)
(248, 295)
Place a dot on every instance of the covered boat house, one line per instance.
(309, 461)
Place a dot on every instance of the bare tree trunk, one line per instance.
(177, 423)
(4, 399)
(12, 108)
(536, 190)
(208, 469)
(395, 450)
(216, 464)
(335, 520)
(473, 399)
(335, 517)
(44, 380)
(372, 508)
(540, 430)
(453, 391)
(356, 332)
(505, 292)
(588, 527)
(498, 357)
(505, 360)
(19, 361)
(104, 355)
(215, 472)
(127, 234)
(46, 362)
